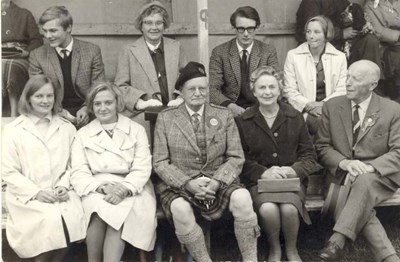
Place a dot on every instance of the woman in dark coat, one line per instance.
(277, 145)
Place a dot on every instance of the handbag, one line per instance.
(336, 198)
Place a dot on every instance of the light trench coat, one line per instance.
(30, 164)
(300, 75)
(125, 158)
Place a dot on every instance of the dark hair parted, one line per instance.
(57, 12)
(152, 8)
(265, 70)
(106, 86)
(31, 87)
(246, 12)
(326, 24)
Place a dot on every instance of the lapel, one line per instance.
(255, 57)
(141, 52)
(76, 56)
(171, 56)
(55, 124)
(234, 59)
(345, 115)
(182, 121)
(53, 58)
(211, 126)
(28, 125)
(372, 113)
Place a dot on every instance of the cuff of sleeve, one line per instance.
(131, 188)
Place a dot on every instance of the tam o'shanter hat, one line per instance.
(190, 71)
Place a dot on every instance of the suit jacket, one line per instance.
(286, 143)
(136, 75)
(378, 142)
(225, 76)
(300, 76)
(87, 67)
(176, 156)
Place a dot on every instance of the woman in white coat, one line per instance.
(111, 167)
(44, 214)
(315, 71)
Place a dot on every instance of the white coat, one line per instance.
(30, 164)
(300, 75)
(125, 158)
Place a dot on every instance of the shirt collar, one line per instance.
(191, 112)
(68, 48)
(35, 119)
(364, 104)
(154, 47)
(240, 48)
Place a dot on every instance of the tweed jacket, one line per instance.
(136, 75)
(286, 143)
(378, 142)
(87, 67)
(176, 156)
(385, 19)
(300, 76)
(225, 76)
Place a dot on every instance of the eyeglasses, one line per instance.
(150, 23)
(250, 29)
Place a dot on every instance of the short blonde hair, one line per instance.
(106, 86)
(31, 87)
(265, 70)
(151, 8)
(326, 24)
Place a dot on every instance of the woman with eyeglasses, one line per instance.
(45, 214)
(148, 68)
(314, 72)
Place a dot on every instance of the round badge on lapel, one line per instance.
(214, 122)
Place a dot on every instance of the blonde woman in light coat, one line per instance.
(111, 167)
(45, 215)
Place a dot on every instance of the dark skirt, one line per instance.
(15, 75)
(214, 212)
(295, 198)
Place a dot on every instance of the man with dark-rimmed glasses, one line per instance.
(231, 63)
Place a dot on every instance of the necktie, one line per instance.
(195, 121)
(356, 123)
(64, 53)
(243, 69)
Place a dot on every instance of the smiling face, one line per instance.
(195, 92)
(266, 90)
(245, 39)
(315, 35)
(56, 34)
(42, 101)
(153, 28)
(105, 107)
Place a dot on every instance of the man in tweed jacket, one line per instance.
(229, 72)
(198, 156)
(73, 66)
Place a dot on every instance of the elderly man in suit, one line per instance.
(73, 66)
(198, 156)
(231, 63)
(359, 135)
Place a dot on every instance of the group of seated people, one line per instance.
(219, 135)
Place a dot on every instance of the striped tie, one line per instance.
(195, 121)
(356, 123)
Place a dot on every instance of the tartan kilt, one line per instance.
(15, 75)
(215, 211)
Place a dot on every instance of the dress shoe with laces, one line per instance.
(331, 252)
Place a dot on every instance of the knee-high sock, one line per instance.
(247, 231)
(195, 243)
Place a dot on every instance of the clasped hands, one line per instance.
(59, 194)
(203, 188)
(114, 193)
(355, 168)
(279, 172)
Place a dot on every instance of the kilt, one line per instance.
(15, 75)
(214, 212)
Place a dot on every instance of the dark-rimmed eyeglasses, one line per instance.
(250, 29)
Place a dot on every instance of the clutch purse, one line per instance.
(278, 185)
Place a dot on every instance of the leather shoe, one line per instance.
(331, 252)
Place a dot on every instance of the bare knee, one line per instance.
(288, 210)
(268, 209)
(182, 212)
(241, 203)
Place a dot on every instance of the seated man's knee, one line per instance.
(240, 201)
(181, 210)
(267, 209)
(288, 210)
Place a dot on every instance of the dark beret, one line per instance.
(190, 71)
